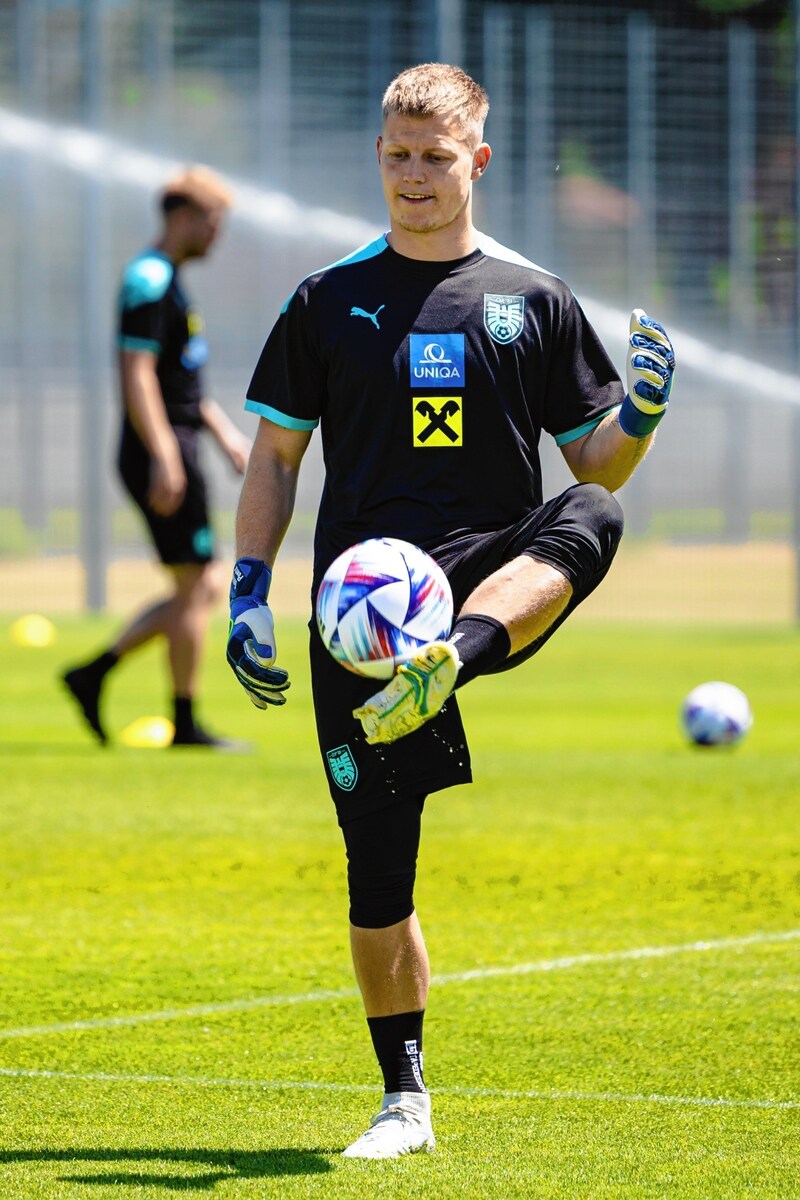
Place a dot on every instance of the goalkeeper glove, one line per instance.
(651, 364)
(251, 635)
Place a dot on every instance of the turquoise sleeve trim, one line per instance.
(145, 280)
(572, 435)
(277, 417)
(134, 343)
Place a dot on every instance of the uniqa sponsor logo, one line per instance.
(435, 364)
(444, 372)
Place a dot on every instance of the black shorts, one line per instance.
(577, 532)
(186, 536)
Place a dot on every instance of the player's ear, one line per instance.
(379, 147)
(480, 160)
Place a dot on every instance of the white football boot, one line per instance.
(415, 694)
(403, 1126)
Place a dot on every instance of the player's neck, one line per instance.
(439, 245)
(171, 248)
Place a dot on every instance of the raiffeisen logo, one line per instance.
(437, 360)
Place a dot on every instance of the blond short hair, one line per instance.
(197, 185)
(437, 90)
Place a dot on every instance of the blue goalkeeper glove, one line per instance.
(251, 635)
(651, 365)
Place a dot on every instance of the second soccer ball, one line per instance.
(716, 714)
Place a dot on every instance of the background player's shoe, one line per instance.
(197, 736)
(84, 685)
(413, 696)
(403, 1126)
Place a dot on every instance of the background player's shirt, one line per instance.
(154, 314)
(432, 382)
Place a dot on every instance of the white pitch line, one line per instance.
(530, 968)
(177, 1014)
(279, 1085)
(581, 960)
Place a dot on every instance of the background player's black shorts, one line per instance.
(577, 532)
(186, 536)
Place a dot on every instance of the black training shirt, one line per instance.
(431, 383)
(155, 315)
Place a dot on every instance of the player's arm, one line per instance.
(228, 437)
(610, 452)
(144, 404)
(268, 493)
(265, 510)
(607, 455)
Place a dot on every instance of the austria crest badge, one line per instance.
(343, 768)
(503, 316)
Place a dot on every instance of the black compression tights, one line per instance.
(382, 863)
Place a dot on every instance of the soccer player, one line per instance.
(432, 359)
(161, 353)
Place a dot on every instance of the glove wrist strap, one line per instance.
(636, 423)
(251, 577)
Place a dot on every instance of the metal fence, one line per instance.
(649, 162)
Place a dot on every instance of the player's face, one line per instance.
(202, 228)
(428, 166)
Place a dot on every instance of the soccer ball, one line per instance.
(379, 602)
(716, 714)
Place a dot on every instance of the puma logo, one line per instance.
(359, 312)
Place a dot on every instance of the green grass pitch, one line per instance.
(612, 919)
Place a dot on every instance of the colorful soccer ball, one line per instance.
(716, 714)
(379, 602)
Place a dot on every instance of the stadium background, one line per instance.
(612, 915)
(648, 154)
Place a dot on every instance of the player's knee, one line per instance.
(602, 512)
(199, 585)
(382, 863)
(214, 581)
(378, 900)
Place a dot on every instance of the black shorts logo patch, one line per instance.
(203, 542)
(438, 421)
(344, 771)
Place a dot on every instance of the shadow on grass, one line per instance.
(227, 1164)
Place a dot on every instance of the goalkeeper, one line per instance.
(432, 360)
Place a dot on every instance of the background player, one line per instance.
(346, 353)
(161, 352)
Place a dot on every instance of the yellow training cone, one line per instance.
(146, 733)
(33, 630)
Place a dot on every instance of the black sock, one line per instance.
(100, 666)
(189, 731)
(398, 1046)
(86, 684)
(481, 642)
(184, 716)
